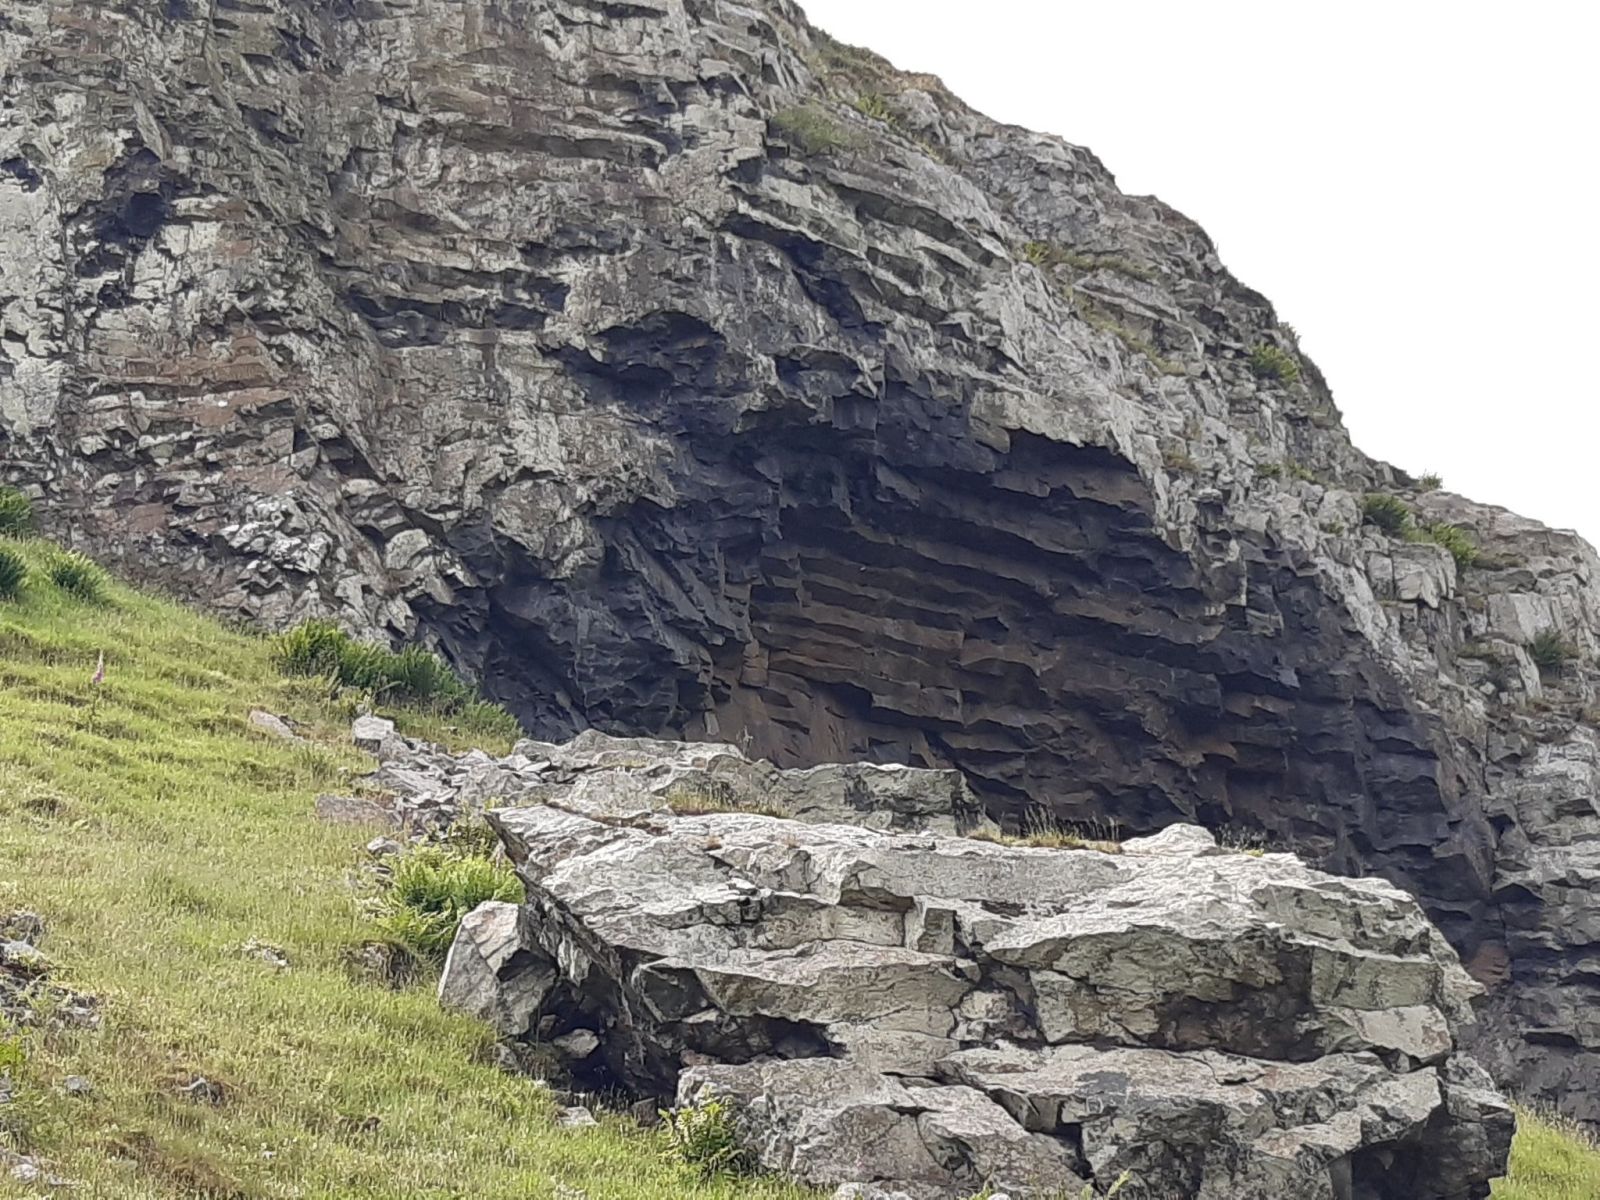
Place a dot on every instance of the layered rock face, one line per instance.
(937, 1015)
(681, 372)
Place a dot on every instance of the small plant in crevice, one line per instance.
(1272, 362)
(431, 890)
(1453, 538)
(1388, 513)
(1043, 829)
(1429, 483)
(696, 800)
(1177, 460)
(703, 1135)
(1244, 841)
(16, 513)
(811, 130)
(874, 107)
(13, 573)
(78, 575)
(1550, 651)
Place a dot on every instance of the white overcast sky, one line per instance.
(1410, 182)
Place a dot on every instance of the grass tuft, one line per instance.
(13, 573)
(1042, 829)
(77, 575)
(1454, 539)
(16, 513)
(1552, 1159)
(414, 675)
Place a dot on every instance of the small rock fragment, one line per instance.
(203, 1090)
(580, 1043)
(351, 810)
(271, 955)
(576, 1117)
(272, 725)
(22, 926)
(370, 733)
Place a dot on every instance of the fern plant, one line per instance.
(432, 888)
(703, 1135)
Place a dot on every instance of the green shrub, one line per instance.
(1550, 651)
(1270, 470)
(811, 130)
(433, 887)
(16, 513)
(703, 1135)
(13, 573)
(1454, 539)
(1270, 362)
(1430, 483)
(78, 575)
(1388, 513)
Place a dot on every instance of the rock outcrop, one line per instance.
(680, 372)
(937, 1015)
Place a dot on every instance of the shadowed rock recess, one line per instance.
(922, 1013)
(681, 372)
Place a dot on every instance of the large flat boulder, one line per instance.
(936, 1014)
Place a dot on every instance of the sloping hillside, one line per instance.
(157, 833)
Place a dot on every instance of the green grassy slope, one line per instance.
(156, 832)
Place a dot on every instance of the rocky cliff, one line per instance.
(680, 371)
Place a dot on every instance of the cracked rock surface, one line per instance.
(933, 1014)
(682, 373)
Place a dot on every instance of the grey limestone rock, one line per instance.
(932, 1014)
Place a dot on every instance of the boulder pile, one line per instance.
(915, 1011)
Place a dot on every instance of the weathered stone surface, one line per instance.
(631, 778)
(935, 1014)
(369, 733)
(351, 810)
(273, 726)
(538, 332)
(486, 976)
